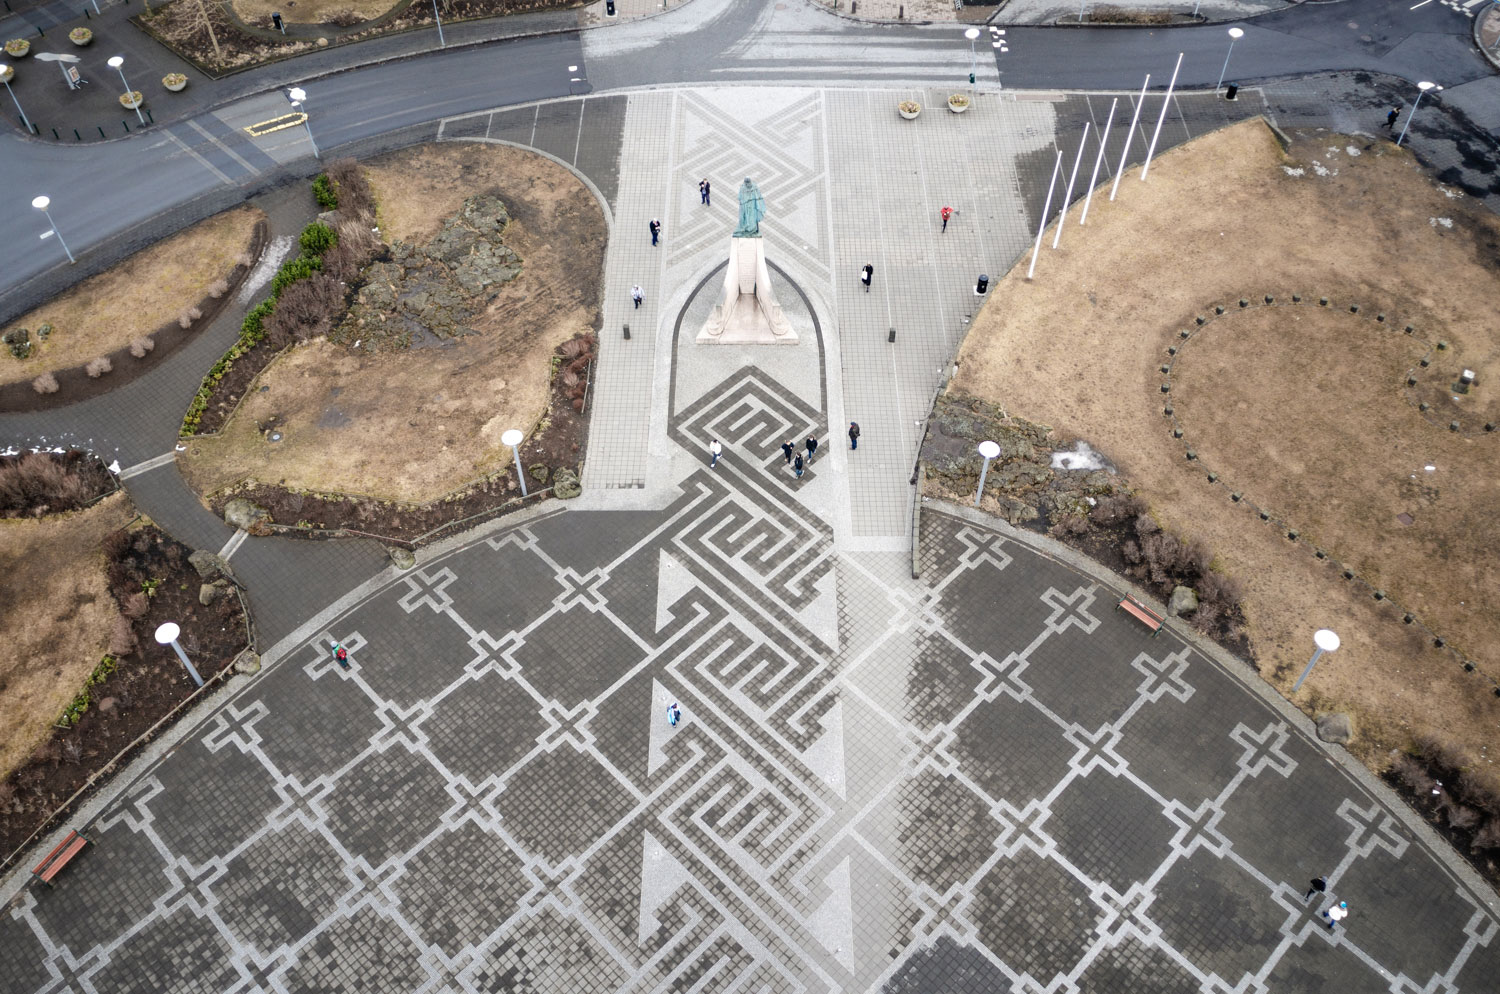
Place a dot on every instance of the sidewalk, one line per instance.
(1052, 11)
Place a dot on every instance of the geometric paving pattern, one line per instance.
(987, 780)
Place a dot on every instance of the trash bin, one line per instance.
(609, 8)
(982, 285)
(1230, 93)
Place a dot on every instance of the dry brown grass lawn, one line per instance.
(147, 290)
(55, 618)
(417, 424)
(1303, 409)
(310, 11)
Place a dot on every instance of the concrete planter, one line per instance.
(80, 36)
(175, 82)
(131, 100)
(909, 109)
(18, 48)
(958, 103)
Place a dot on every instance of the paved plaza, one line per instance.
(984, 778)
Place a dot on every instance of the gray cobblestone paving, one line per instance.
(984, 779)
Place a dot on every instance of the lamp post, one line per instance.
(439, 17)
(1326, 641)
(971, 34)
(1129, 136)
(989, 450)
(116, 62)
(1422, 88)
(167, 635)
(1235, 34)
(5, 75)
(297, 95)
(41, 203)
(513, 437)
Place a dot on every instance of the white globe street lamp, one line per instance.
(167, 634)
(1326, 641)
(116, 62)
(1422, 88)
(989, 450)
(298, 96)
(512, 438)
(1235, 34)
(41, 204)
(4, 75)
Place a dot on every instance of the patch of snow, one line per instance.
(1333, 150)
(1446, 222)
(1451, 194)
(1351, 150)
(270, 259)
(1299, 171)
(1323, 170)
(1083, 456)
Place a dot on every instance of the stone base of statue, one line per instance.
(749, 313)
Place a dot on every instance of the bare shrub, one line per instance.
(1219, 590)
(344, 18)
(1117, 509)
(356, 199)
(36, 480)
(1413, 775)
(1478, 788)
(243, 259)
(1145, 525)
(218, 288)
(140, 346)
(1487, 837)
(307, 308)
(98, 367)
(135, 605)
(356, 247)
(122, 641)
(46, 383)
(1070, 526)
(1463, 817)
(72, 751)
(115, 544)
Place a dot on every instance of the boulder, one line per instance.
(241, 513)
(401, 557)
(1335, 727)
(1184, 601)
(565, 484)
(209, 565)
(247, 662)
(538, 472)
(207, 594)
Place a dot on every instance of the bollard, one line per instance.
(55, 135)
(101, 131)
(982, 285)
(627, 333)
(77, 135)
(40, 33)
(149, 118)
(126, 126)
(892, 336)
(87, 15)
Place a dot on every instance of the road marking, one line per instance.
(148, 465)
(204, 162)
(275, 124)
(1422, 4)
(232, 546)
(227, 150)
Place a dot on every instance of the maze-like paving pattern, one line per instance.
(985, 781)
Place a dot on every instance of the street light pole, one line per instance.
(512, 438)
(439, 17)
(1326, 641)
(167, 635)
(1166, 104)
(1099, 160)
(1072, 177)
(1422, 88)
(118, 62)
(1129, 137)
(971, 34)
(297, 95)
(989, 450)
(41, 203)
(4, 70)
(1041, 225)
(1235, 34)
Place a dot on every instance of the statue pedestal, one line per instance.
(749, 313)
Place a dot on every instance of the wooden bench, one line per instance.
(60, 857)
(1147, 617)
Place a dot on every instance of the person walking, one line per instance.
(715, 450)
(812, 446)
(637, 295)
(1336, 914)
(854, 434)
(947, 212)
(866, 275)
(655, 230)
(797, 466)
(703, 191)
(1317, 886)
(786, 449)
(1390, 119)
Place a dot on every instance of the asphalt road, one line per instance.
(99, 191)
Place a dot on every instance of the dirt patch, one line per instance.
(156, 286)
(114, 588)
(313, 11)
(1302, 410)
(55, 618)
(416, 424)
(552, 456)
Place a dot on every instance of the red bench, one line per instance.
(1147, 617)
(59, 857)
